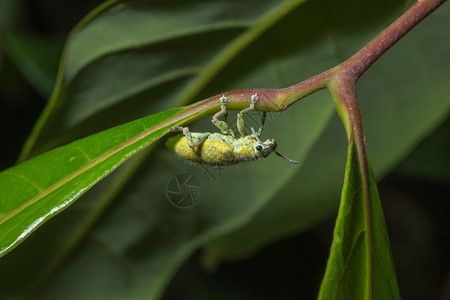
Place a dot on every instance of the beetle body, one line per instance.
(221, 149)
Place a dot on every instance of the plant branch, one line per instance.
(364, 58)
(356, 65)
(352, 69)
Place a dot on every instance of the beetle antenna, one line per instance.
(289, 160)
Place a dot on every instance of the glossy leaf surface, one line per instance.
(360, 265)
(38, 189)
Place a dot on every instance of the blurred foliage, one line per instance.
(431, 159)
(35, 57)
(165, 237)
(8, 14)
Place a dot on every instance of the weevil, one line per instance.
(223, 148)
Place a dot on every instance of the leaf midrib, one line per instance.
(94, 162)
(261, 25)
(174, 36)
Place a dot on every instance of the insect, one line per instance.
(223, 148)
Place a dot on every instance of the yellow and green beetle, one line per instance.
(223, 148)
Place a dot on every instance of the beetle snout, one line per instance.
(273, 143)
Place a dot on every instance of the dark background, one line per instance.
(415, 195)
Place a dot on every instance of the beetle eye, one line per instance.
(259, 148)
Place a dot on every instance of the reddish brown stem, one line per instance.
(364, 58)
(356, 65)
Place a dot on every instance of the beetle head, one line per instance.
(263, 149)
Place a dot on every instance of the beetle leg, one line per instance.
(223, 126)
(193, 140)
(263, 121)
(240, 116)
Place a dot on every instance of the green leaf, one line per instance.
(35, 57)
(429, 160)
(360, 264)
(42, 187)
